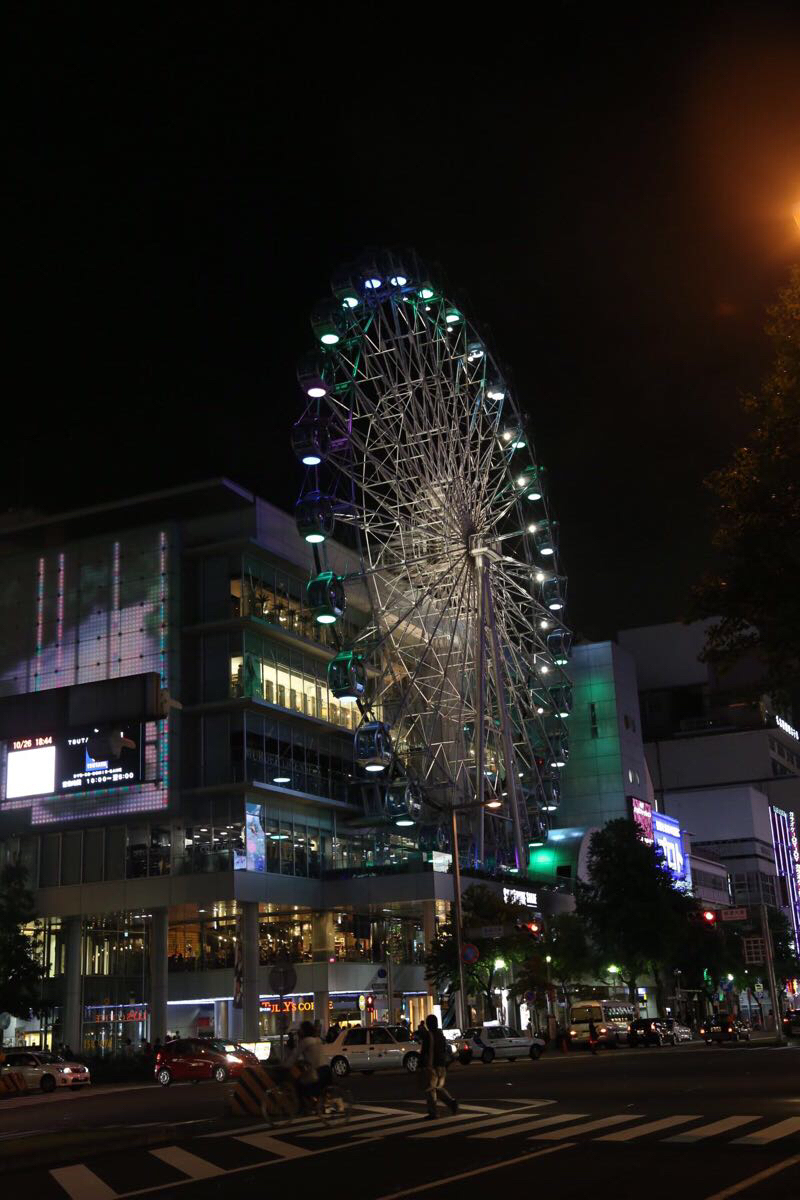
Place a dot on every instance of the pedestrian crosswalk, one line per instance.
(503, 1124)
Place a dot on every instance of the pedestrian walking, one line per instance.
(433, 1062)
(593, 1037)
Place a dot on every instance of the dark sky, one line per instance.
(611, 196)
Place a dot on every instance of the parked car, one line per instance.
(724, 1029)
(649, 1031)
(491, 1041)
(375, 1048)
(46, 1071)
(679, 1032)
(201, 1058)
(791, 1022)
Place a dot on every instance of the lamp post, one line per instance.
(461, 998)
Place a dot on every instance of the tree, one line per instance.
(570, 955)
(482, 907)
(755, 587)
(20, 973)
(630, 907)
(786, 962)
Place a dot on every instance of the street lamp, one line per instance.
(461, 1009)
(613, 970)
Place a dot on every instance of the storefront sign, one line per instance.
(514, 896)
(787, 728)
(667, 832)
(287, 1006)
(642, 815)
(124, 1012)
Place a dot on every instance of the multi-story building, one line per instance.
(178, 780)
(723, 760)
(606, 762)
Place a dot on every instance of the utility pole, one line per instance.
(773, 986)
(461, 999)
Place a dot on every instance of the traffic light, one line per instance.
(370, 1002)
(704, 916)
(534, 929)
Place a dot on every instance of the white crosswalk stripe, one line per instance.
(266, 1141)
(706, 1131)
(628, 1135)
(763, 1137)
(190, 1164)
(82, 1184)
(558, 1135)
(456, 1125)
(527, 1126)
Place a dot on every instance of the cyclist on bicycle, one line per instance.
(310, 1056)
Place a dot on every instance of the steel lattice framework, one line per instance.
(421, 448)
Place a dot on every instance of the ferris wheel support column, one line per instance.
(480, 716)
(508, 748)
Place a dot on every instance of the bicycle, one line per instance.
(282, 1103)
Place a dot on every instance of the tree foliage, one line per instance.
(20, 973)
(634, 915)
(754, 590)
(482, 907)
(571, 958)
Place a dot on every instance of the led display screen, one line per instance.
(77, 761)
(91, 610)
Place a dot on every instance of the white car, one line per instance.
(491, 1041)
(371, 1049)
(46, 1071)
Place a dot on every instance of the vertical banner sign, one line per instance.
(238, 971)
(642, 814)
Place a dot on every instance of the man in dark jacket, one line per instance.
(433, 1061)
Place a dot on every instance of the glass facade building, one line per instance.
(235, 837)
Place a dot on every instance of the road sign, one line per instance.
(733, 914)
(490, 932)
(469, 953)
(753, 950)
(362, 1002)
(283, 979)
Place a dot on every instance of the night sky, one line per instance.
(611, 197)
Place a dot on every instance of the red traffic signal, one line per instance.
(370, 1002)
(704, 916)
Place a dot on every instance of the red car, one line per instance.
(201, 1058)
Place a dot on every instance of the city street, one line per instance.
(711, 1121)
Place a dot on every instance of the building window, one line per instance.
(593, 721)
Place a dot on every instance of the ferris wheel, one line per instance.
(417, 455)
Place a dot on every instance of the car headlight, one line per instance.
(65, 1070)
(573, 1033)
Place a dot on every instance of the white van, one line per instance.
(611, 1018)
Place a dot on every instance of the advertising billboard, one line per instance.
(667, 833)
(642, 814)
